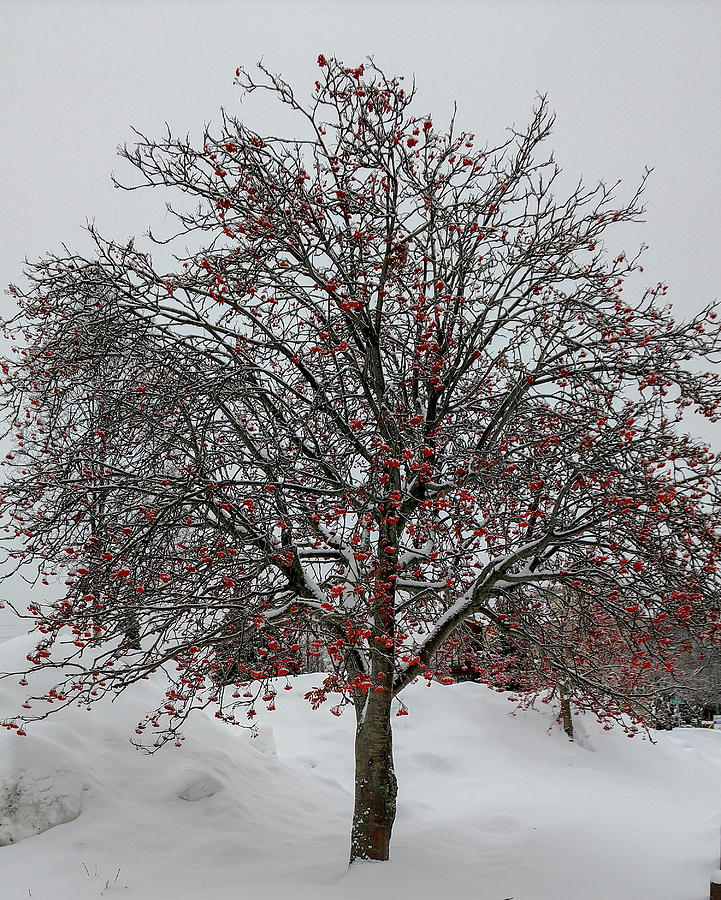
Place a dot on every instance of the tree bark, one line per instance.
(566, 717)
(375, 780)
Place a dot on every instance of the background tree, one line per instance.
(396, 388)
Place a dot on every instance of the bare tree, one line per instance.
(398, 388)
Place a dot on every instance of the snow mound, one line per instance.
(493, 802)
(41, 786)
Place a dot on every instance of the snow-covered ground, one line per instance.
(492, 805)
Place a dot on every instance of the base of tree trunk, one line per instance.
(376, 787)
(566, 716)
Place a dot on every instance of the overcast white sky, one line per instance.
(634, 83)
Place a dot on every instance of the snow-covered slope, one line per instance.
(492, 805)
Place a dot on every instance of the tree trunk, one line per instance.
(375, 780)
(566, 717)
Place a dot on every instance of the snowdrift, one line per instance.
(493, 804)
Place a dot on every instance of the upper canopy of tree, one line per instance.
(397, 385)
